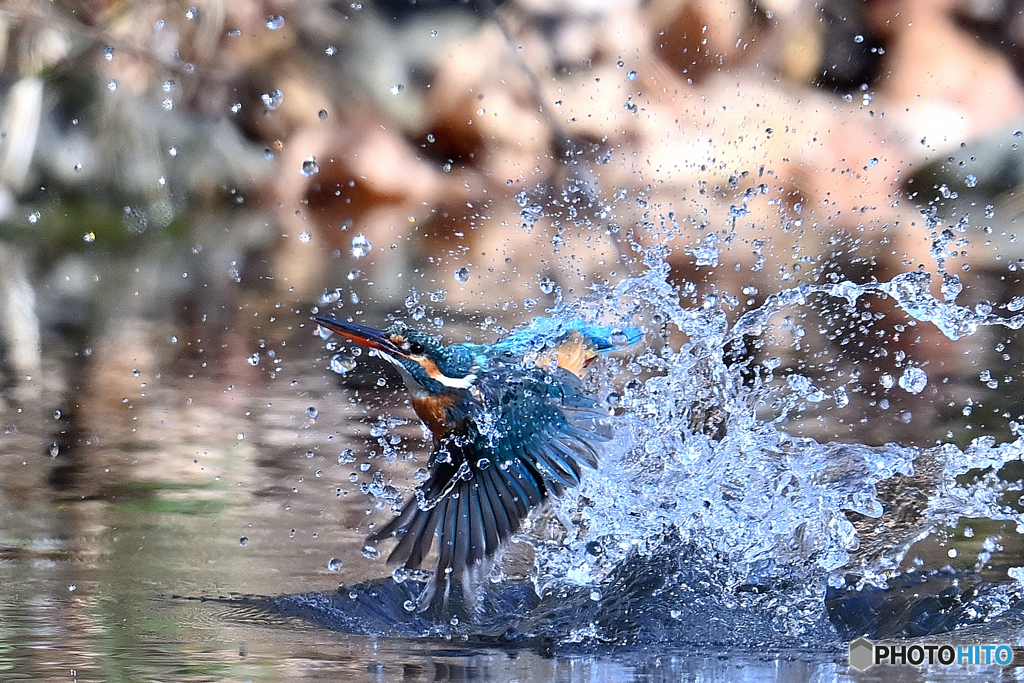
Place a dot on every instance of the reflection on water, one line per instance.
(144, 485)
(148, 484)
(148, 498)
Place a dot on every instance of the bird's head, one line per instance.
(423, 361)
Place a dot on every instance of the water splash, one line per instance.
(712, 520)
(702, 461)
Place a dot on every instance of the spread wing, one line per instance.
(531, 441)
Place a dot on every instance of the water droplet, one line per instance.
(360, 246)
(54, 450)
(595, 595)
(309, 167)
(841, 397)
(191, 13)
(312, 412)
(254, 359)
(322, 114)
(346, 457)
(409, 605)
(631, 75)
(273, 99)
(618, 338)
(56, 414)
(971, 180)
(370, 553)
(243, 541)
(275, 22)
(108, 52)
(397, 88)
(89, 236)
(951, 286)
(462, 275)
(872, 162)
(913, 380)
(333, 564)
(342, 364)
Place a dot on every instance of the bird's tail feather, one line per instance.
(470, 524)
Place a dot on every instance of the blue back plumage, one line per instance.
(545, 333)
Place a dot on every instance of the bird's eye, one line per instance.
(415, 348)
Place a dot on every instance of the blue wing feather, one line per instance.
(526, 440)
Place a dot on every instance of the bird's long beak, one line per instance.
(366, 336)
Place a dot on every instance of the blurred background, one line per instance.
(191, 165)
(183, 183)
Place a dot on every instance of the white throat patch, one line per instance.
(463, 383)
(450, 382)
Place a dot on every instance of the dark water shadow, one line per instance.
(665, 599)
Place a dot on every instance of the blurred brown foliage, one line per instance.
(250, 143)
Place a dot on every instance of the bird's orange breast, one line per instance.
(433, 410)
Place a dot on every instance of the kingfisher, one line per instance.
(512, 427)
